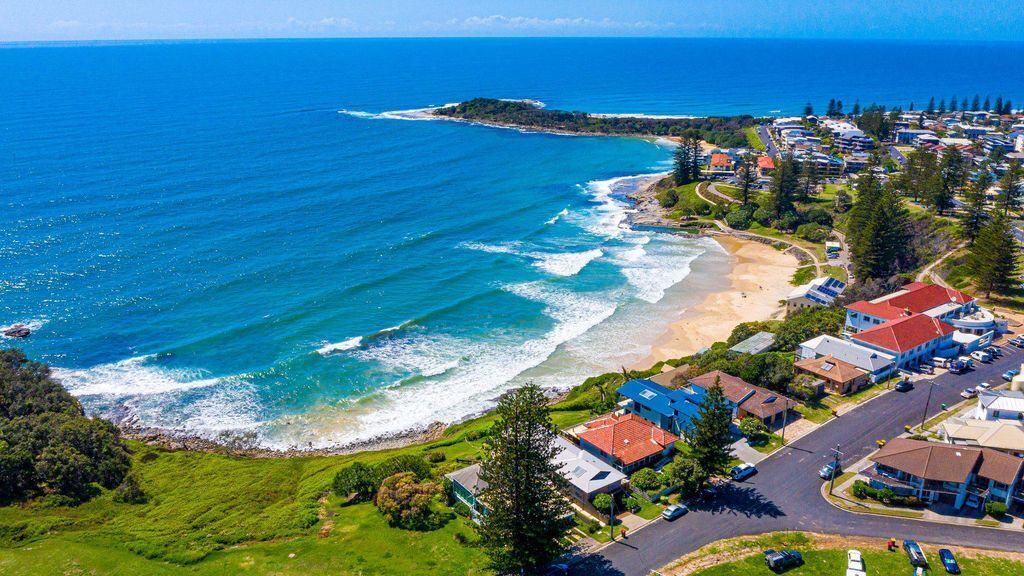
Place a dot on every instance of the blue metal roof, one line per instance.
(664, 400)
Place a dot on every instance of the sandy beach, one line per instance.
(751, 291)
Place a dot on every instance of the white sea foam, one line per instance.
(555, 218)
(459, 376)
(328, 349)
(565, 263)
(555, 263)
(131, 377)
(33, 325)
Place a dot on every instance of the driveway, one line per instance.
(785, 495)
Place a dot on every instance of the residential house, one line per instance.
(765, 165)
(669, 409)
(467, 486)
(756, 344)
(818, 292)
(839, 377)
(853, 140)
(1018, 143)
(951, 306)
(586, 474)
(878, 365)
(721, 164)
(911, 339)
(627, 442)
(910, 136)
(938, 472)
(750, 400)
(994, 142)
(1000, 405)
(1002, 435)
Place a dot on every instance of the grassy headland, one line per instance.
(721, 131)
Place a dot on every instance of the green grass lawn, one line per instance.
(767, 444)
(803, 275)
(833, 562)
(753, 140)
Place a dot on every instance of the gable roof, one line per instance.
(905, 333)
(718, 159)
(469, 478)
(831, 368)
(860, 356)
(1008, 400)
(917, 297)
(995, 434)
(665, 401)
(629, 437)
(756, 400)
(584, 470)
(765, 162)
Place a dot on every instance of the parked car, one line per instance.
(967, 360)
(742, 471)
(914, 553)
(948, 561)
(973, 501)
(1018, 342)
(940, 362)
(1009, 374)
(958, 367)
(674, 511)
(829, 470)
(903, 386)
(926, 369)
(981, 356)
(969, 393)
(780, 560)
(854, 563)
(983, 386)
(995, 351)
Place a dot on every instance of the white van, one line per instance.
(940, 362)
(981, 356)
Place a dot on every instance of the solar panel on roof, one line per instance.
(601, 475)
(648, 394)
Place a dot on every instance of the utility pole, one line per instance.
(836, 457)
(924, 416)
(785, 420)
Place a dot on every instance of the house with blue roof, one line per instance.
(668, 409)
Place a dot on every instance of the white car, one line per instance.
(674, 511)
(984, 385)
(742, 471)
(969, 393)
(854, 563)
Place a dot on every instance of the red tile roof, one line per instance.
(765, 162)
(916, 297)
(629, 438)
(905, 333)
(721, 160)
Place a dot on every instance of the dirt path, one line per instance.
(929, 271)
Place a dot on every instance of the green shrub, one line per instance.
(753, 427)
(813, 232)
(634, 504)
(462, 509)
(787, 221)
(129, 491)
(818, 215)
(763, 216)
(645, 479)
(401, 463)
(405, 503)
(603, 502)
(356, 480)
(740, 217)
(995, 509)
(436, 456)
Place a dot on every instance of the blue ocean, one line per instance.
(250, 238)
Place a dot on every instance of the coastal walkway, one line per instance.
(929, 275)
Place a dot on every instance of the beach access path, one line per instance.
(928, 274)
(786, 492)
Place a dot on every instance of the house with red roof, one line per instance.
(765, 165)
(911, 339)
(951, 306)
(627, 441)
(722, 163)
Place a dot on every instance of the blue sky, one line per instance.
(29, 20)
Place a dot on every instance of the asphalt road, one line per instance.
(785, 494)
(769, 146)
(897, 155)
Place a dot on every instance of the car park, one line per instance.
(829, 470)
(995, 351)
(903, 386)
(948, 561)
(1018, 342)
(914, 553)
(674, 511)
(742, 471)
(1009, 374)
(969, 393)
(780, 560)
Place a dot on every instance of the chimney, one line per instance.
(1018, 381)
(906, 311)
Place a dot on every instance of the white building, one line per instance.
(818, 292)
(1000, 405)
(877, 364)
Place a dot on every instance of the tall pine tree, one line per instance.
(992, 260)
(1010, 185)
(954, 177)
(976, 103)
(973, 216)
(709, 436)
(746, 176)
(524, 524)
